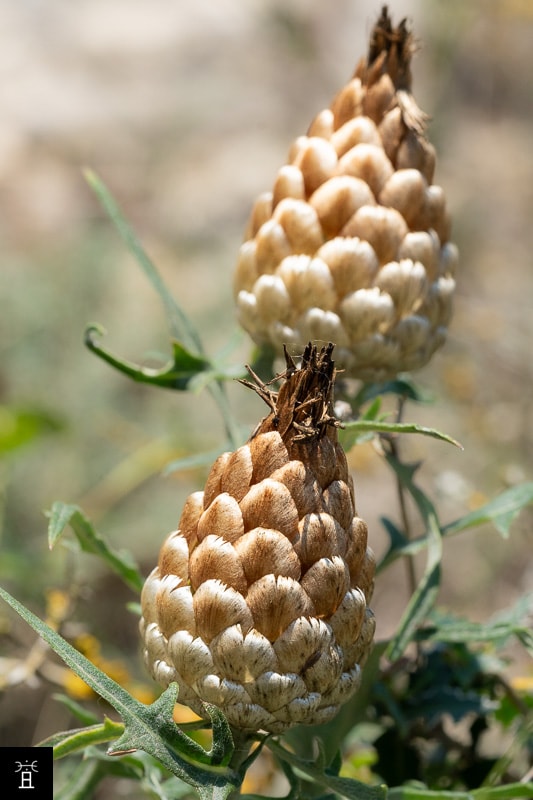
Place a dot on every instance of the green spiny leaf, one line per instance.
(223, 746)
(149, 728)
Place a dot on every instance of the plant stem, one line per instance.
(406, 523)
(243, 742)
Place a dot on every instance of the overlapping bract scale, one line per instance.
(352, 243)
(259, 601)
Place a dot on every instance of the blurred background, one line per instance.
(186, 111)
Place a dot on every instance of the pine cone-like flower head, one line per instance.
(259, 601)
(352, 243)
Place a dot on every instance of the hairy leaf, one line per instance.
(149, 728)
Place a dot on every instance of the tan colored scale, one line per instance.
(259, 601)
(352, 244)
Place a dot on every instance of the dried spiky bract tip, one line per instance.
(259, 602)
(352, 243)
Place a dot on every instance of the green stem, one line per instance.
(406, 522)
(243, 742)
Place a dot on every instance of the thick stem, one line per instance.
(243, 742)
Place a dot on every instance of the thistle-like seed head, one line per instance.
(259, 601)
(352, 245)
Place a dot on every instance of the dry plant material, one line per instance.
(352, 243)
(259, 602)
